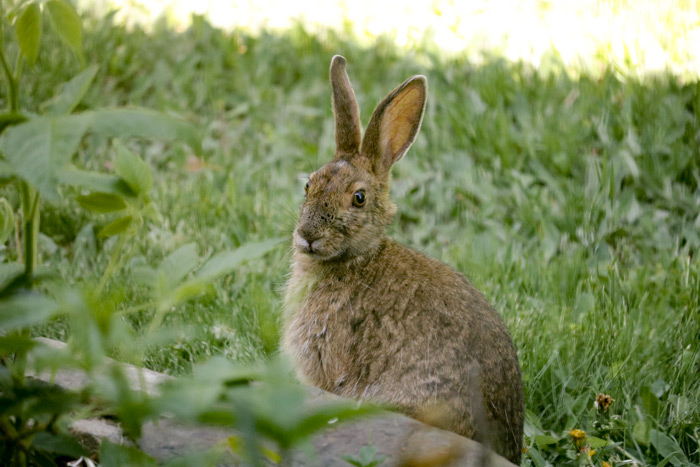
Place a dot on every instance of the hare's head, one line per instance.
(347, 205)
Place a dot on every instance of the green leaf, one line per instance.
(117, 226)
(227, 261)
(102, 202)
(12, 343)
(71, 93)
(29, 32)
(93, 181)
(133, 170)
(9, 119)
(545, 440)
(7, 221)
(642, 433)
(58, 444)
(180, 262)
(367, 457)
(668, 448)
(188, 290)
(596, 443)
(67, 24)
(21, 311)
(650, 401)
(9, 272)
(115, 455)
(35, 149)
(273, 456)
(143, 123)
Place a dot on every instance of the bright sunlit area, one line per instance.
(635, 36)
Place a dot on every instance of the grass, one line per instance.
(572, 203)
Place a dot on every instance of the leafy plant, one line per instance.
(367, 457)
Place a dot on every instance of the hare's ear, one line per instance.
(348, 133)
(395, 124)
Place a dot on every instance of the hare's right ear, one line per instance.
(395, 124)
(348, 133)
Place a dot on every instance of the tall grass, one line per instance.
(571, 202)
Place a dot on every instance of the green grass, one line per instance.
(571, 203)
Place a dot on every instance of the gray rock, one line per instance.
(402, 441)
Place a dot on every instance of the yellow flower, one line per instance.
(605, 464)
(577, 434)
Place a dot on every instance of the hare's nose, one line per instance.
(306, 240)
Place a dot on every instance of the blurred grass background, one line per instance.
(586, 35)
(565, 185)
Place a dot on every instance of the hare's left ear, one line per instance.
(395, 124)
(347, 115)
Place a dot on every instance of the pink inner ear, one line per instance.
(400, 121)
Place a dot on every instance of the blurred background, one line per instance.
(636, 36)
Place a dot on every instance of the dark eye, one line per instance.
(306, 187)
(359, 198)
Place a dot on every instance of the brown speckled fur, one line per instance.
(368, 318)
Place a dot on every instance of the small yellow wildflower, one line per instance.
(605, 464)
(578, 437)
(524, 450)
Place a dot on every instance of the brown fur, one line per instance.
(368, 318)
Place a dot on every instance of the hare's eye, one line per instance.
(359, 198)
(306, 187)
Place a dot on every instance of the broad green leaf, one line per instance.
(227, 261)
(668, 448)
(9, 272)
(9, 119)
(117, 226)
(6, 172)
(367, 457)
(273, 456)
(143, 123)
(58, 444)
(28, 31)
(16, 342)
(642, 433)
(133, 170)
(21, 311)
(536, 458)
(102, 202)
(180, 262)
(596, 443)
(545, 440)
(71, 93)
(115, 455)
(650, 401)
(35, 149)
(188, 290)
(7, 220)
(67, 24)
(93, 181)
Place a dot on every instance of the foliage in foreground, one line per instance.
(573, 204)
(36, 146)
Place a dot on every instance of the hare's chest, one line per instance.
(322, 337)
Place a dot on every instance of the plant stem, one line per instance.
(30, 209)
(114, 260)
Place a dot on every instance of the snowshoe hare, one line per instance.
(368, 318)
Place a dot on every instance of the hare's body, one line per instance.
(368, 318)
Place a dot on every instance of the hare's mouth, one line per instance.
(314, 247)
